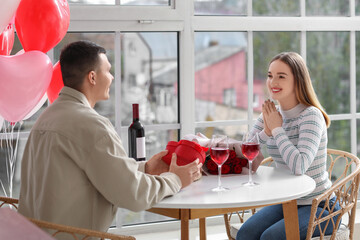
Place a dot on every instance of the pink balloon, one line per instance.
(7, 40)
(37, 107)
(23, 82)
(1, 122)
(7, 11)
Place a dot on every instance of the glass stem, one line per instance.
(250, 172)
(219, 176)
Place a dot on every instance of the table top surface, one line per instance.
(276, 186)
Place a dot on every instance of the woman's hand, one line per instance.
(272, 118)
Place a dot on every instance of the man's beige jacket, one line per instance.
(75, 170)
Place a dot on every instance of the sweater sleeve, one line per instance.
(259, 128)
(119, 180)
(299, 158)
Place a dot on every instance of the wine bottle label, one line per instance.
(140, 147)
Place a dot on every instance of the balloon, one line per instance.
(37, 107)
(56, 83)
(1, 122)
(7, 11)
(41, 24)
(7, 40)
(23, 82)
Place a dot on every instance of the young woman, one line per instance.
(295, 134)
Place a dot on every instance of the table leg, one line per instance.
(291, 220)
(184, 217)
(202, 228)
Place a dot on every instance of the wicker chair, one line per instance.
(59, 229)
(345, 187)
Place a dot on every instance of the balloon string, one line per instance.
(10, 154)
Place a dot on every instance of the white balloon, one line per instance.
(7, 11)
(1, 122)
(37, 107)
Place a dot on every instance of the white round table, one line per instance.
(275, 186)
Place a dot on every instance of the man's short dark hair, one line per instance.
(77, 59)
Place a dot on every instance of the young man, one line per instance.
(75, 170)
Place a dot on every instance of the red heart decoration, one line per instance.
(41, 24)
(56, 83)
(24, 79)
(186, 151)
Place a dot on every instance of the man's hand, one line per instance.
(156, 166)
(187, 173)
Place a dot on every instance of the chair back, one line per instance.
(9, 202)
(344, 171)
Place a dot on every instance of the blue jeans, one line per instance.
(268, 223)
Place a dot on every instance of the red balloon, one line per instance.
(56, 83)
(42, 24)
(7, 40)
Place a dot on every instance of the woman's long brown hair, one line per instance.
(304, 90)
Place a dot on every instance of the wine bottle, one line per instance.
(136, 136)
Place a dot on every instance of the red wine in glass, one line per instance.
(219, 154)
(250, 150)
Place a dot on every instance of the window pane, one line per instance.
(146, 2)
(357, 7)
(358, 72)
(339, 135)
(328, 60)
(276, 8)
(216, 7)
(358, 136)
(339, 138)
(155, 142)
(106, 40)
(266, 46)
(149, 76)
(7, 148)
(220, 76)
(327, 8)
(234, 132)
(102, 2)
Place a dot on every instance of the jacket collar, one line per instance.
(67, 92)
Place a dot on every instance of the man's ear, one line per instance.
(91, 77)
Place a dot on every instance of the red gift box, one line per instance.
(186, 151)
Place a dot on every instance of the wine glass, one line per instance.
(250, 148)
(219, 152)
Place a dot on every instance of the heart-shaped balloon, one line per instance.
(42, 24)
(7, 40)
(56, 83)
(7, 11)
(37, 107)
(1, 122)
(24, 80)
